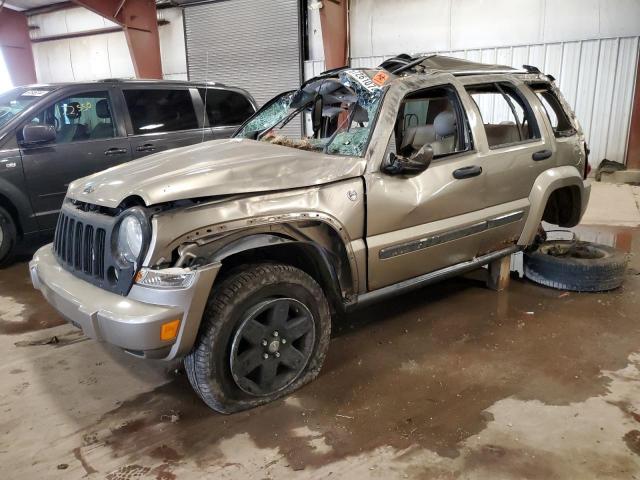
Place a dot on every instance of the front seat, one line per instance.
(103, 129)
(446, 132)
(417, 136)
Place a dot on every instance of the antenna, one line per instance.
(204, 100)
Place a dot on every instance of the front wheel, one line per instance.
(265, 333)
(7, 237)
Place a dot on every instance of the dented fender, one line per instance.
(308, 216)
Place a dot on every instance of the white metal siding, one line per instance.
(97, 56)
(597, 78)
(254, 44)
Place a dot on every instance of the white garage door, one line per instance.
(253, 44)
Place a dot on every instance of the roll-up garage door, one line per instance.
(253, 44)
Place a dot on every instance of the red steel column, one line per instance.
(139, 22)
(633, 147)
(16, 47)
(333, 22)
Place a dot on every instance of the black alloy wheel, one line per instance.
(272, 346)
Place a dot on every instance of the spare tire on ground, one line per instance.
(575, 265)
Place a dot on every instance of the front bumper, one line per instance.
(133, 322)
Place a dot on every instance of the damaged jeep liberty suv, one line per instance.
(235, 254)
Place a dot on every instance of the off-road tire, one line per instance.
(208, 364)
(8, 236)
(605, 272)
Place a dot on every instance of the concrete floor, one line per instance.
(454, 381)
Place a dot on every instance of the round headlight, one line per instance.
(130, 238)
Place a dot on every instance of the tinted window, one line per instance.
(85, 116)
(155, 110)
(225, 107)
(432, 117)
(558, 118)
(506, 115)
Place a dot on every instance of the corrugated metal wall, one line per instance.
(596, 76)
(254, 44)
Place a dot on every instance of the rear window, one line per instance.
(226, 107)
(558, 118)
(155, 110)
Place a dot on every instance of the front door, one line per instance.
(88, 139)
(420, 223)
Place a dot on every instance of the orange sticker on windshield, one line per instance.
(380, 78)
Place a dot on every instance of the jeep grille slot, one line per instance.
(100, 236)
(88, 250)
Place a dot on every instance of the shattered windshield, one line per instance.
(337, 114)
(14, 101)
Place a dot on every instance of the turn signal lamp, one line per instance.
(169, 330)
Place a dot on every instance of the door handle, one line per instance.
(147, 147)
(467, 172)
(541, 155)
(116, 151)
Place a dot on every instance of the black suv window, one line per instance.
(156, 110)
(558, 118)
(226, 107)
(506, 115)
(84, 116)
(432, 117)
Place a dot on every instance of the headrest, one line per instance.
(102, 109)
(445, 124)
(73, 110)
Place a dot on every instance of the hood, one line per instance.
(218, 167)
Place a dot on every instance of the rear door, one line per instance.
(161, 118)
(90, 137)
(226, 110)
(513, 142)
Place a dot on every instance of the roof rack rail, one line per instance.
(531, 69)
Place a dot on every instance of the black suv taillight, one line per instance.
(587, 167)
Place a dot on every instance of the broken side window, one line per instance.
(558, 118)
(506, 115)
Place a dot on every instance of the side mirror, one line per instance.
(416, 163)
(38, 134)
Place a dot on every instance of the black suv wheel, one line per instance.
(7, 237)
(265, 333)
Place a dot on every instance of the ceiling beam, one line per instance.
(16, 47)
(333, 22)
(138, 19)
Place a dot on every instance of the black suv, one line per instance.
(53, 134)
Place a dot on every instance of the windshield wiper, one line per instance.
(281, 123)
